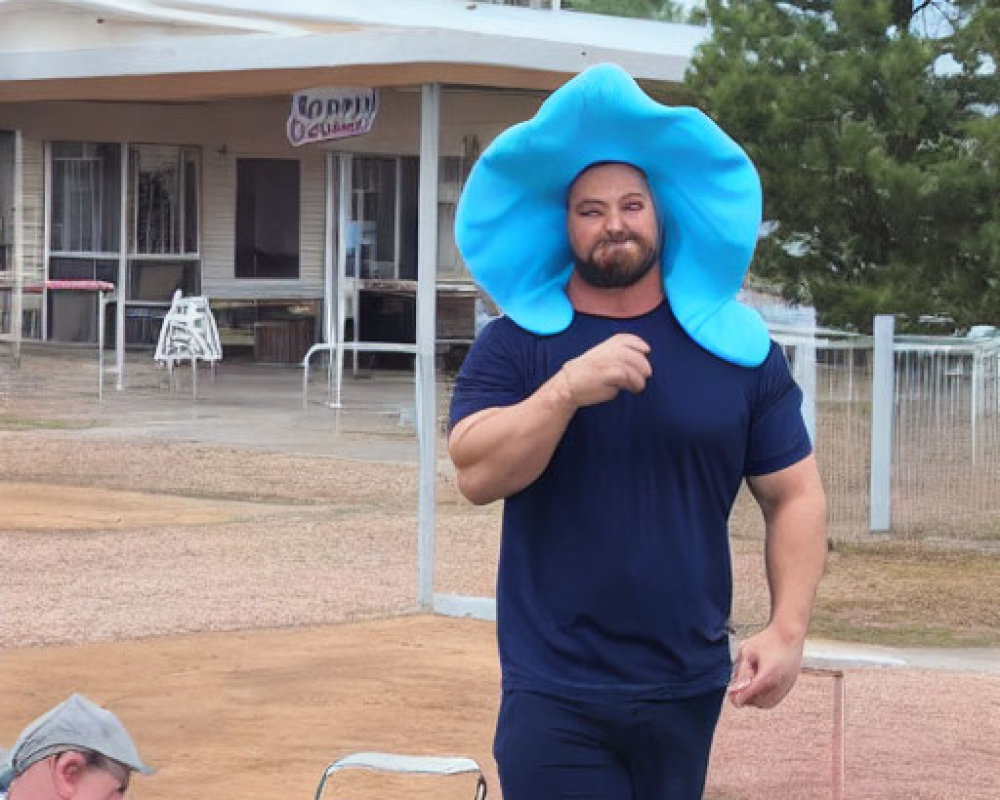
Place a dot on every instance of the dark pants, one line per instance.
(549, 748)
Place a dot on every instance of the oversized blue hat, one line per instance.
(510, 225)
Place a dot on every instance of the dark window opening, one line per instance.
(267, 218)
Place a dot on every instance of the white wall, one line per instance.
(227, 131)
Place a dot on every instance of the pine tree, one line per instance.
(873, 124)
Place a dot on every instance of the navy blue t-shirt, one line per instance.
(614, 580)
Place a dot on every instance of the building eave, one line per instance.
(206, 67)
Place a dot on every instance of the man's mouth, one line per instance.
(615, 242)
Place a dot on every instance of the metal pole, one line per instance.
(122, 270)
(46, 236)
(17, 307)
(328, 251)
(344, 193)
(333, 240)
(397, 218)
(356, 280)
(101, 306)
(880, 509)
(976, 402)
(805, 372)
(810, 667)
(426, 404)
(839, 748)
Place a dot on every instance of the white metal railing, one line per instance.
(906, 428)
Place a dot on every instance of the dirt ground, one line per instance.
(235, 578)
(258, 715)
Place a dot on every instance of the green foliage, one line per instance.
(873, 124)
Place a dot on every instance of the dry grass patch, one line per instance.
(13, 422)
(910, 595)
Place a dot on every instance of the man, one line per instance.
(76, 751)
(616, 409)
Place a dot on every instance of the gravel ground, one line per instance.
(190, 563)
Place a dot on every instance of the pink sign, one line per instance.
(318, 115)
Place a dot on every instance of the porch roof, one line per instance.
(179, 50)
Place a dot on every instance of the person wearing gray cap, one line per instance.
(77, 751)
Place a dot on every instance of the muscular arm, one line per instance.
(501, 450)
(794, 508)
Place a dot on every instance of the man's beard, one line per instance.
(618, 271)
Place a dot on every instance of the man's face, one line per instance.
(91, 776)
(100, 784)
(105, 781)
(612, 224)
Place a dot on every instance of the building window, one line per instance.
(382, 218)
(452, 174)
(7, 201)
(267, 218)
(371, 235)
(164, 200)
(161, 238)
(163, 224)
(86, 198)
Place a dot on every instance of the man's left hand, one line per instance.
(767, 667)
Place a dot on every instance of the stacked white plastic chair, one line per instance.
(189, 333)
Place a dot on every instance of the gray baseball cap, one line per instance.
(75, 724)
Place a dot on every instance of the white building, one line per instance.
(147, 144)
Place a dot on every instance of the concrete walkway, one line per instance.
(842, 655)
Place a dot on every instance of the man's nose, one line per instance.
(615, 222)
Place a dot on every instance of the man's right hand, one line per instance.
(597, 376)
(501, 450)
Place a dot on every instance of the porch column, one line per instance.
(329, 232)
(336, 367)
(426, 402)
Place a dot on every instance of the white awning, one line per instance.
(179, 53)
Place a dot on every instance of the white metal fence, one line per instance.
(943, 452)
(946, 438)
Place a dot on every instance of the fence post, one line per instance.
(880, 504)
(976, 401)
(804, 370)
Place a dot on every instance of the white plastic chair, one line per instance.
(189, 333)
(417, 765)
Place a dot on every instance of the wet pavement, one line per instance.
(240, 405)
